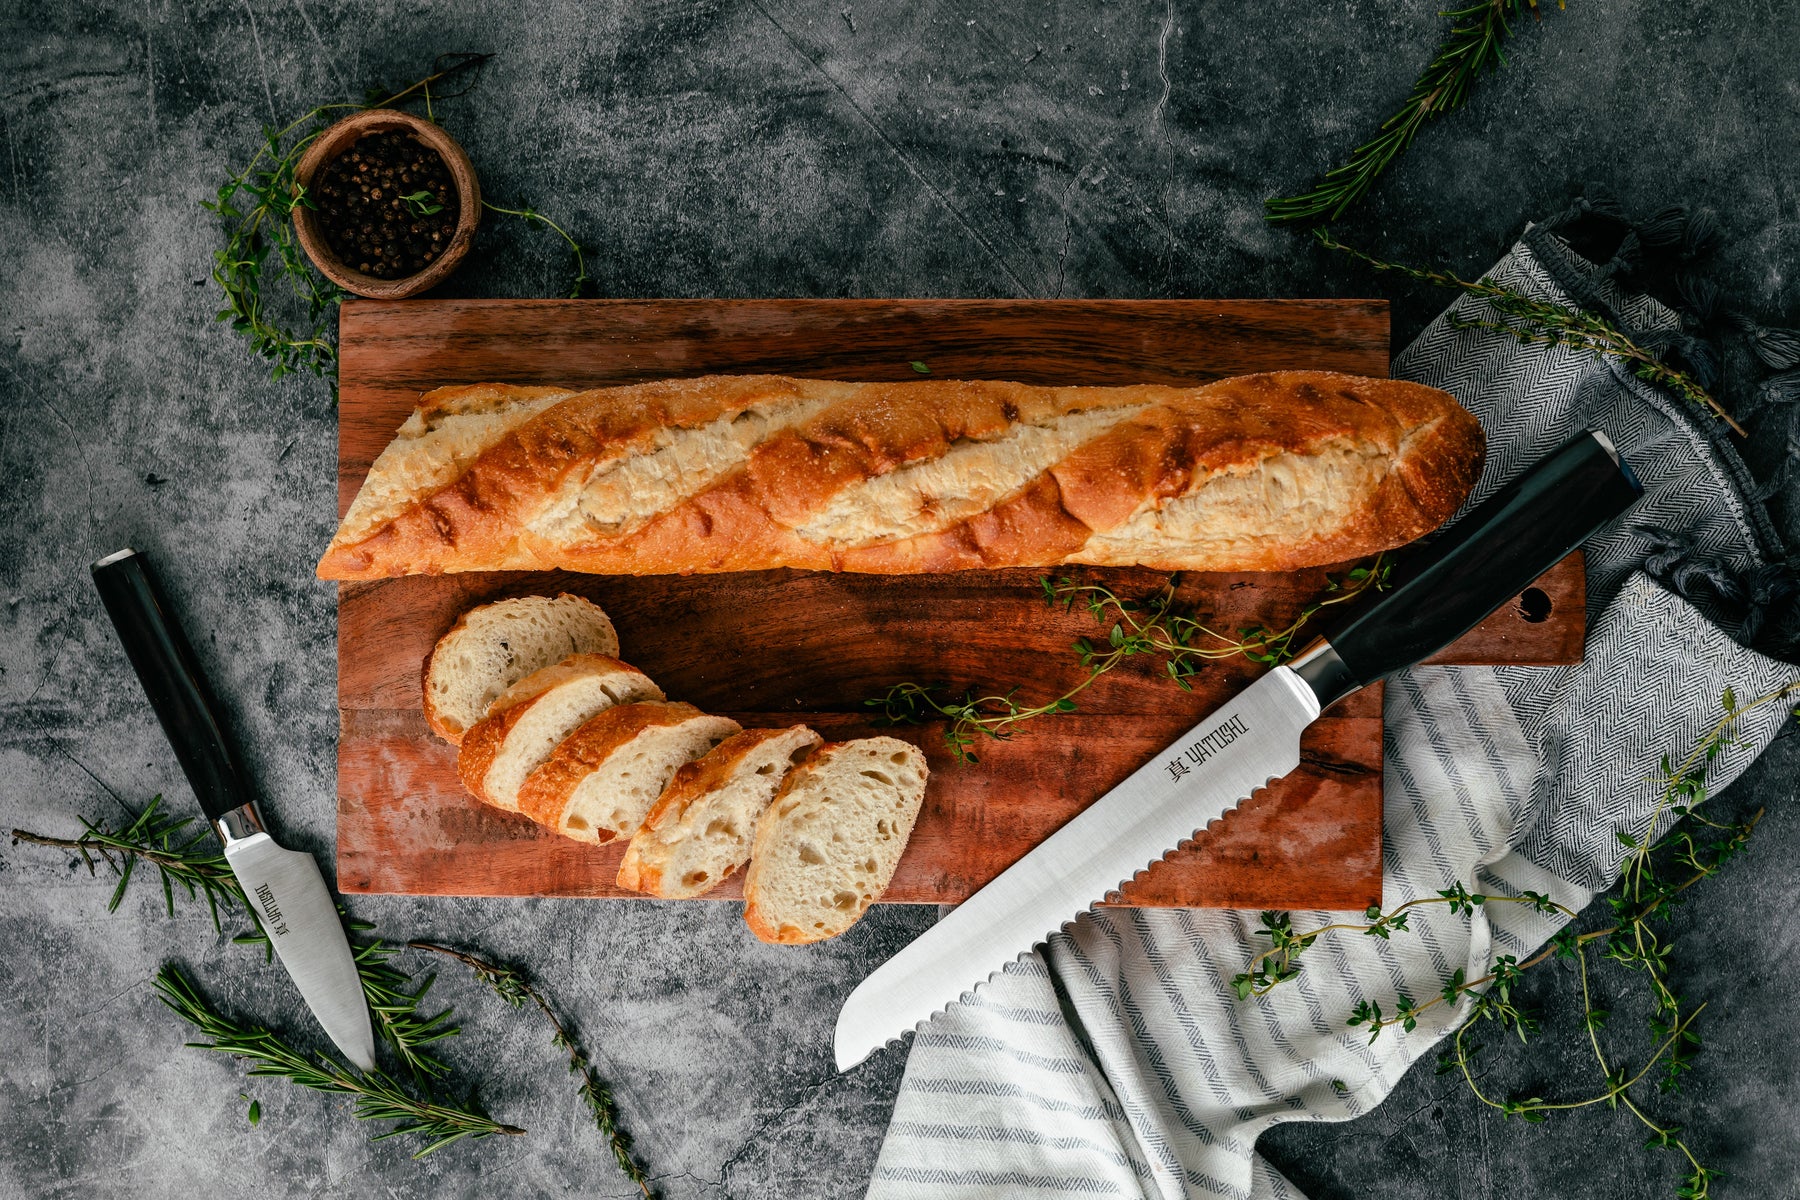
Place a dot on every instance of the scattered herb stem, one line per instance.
(531, 214)
(395, 997)
(194, 862)
(377, 1097)
(1470, 50)
(1643, 903)
(1151, 627)
(512, 985)
(1534, 321)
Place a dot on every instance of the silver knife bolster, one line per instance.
(240, 824)
(1320, 668)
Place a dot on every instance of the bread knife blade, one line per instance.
(292, 902)
(1442, 590)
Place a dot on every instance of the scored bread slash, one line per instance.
(827, 847)
(493, 646)
(603, 778)
(531, 718)
(699, 833)
(1264, 472)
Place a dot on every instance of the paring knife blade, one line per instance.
(292, 901)
(1442, 591)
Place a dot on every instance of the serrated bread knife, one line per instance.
(292, 901)
(1441, 592)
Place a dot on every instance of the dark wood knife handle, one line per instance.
(178, 693)
(1444, 589)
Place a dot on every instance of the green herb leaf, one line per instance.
(1470, 50)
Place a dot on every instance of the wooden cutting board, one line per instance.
(779, 647)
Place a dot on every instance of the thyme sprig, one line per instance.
(257, 205)
(513, 986)
(1470, 50)
(1533, 321)
(531, 214)
(378, 1097)
(1657, 873)
(1135, 628)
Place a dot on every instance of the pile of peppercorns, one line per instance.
(387, 205)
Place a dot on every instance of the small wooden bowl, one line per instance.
(336, 140)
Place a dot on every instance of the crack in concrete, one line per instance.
(1162, 64)
(1062, 259)
(808, 1094)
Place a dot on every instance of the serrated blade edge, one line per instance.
(1236, 750)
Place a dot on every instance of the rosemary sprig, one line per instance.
(377, 1097)
(1151, 627)
(1470, 50)
(194, 862)
(1535, 321)
(394, 997)
(1638, 938)
(512, 986)
(396, 1009)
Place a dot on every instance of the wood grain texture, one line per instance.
(778, 647)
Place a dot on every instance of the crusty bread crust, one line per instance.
(546, 791)
(439, 723)
(642, 868)
(483, 743)
(1381, 462)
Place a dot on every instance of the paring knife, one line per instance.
(1443, 591)
(295, 907)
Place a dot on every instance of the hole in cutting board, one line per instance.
(1534, 605)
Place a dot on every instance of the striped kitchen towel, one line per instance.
(1117, 1061)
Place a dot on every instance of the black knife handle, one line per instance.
(165, 666)
(1451, 585)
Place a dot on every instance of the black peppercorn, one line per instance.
(387, 205)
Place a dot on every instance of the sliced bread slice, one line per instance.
(532, 717)
(827, 847)
(493, 646)
(604, 777)
(700, 831)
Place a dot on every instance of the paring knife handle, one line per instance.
(165, 666)
(1451, 585)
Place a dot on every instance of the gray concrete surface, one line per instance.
(940, 148)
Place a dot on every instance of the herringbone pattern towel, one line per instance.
(1118, 1062)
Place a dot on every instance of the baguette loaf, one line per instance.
(531, 719)
(827, 847)
(604, 777)
(700, 831)
(734, 473)
(493, 646)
